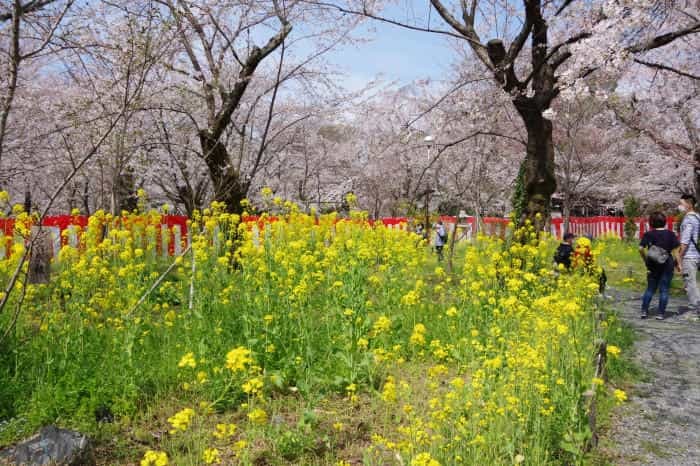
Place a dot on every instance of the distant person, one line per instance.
(656, 248)
(440, 239)
(562, 256)
(689, 253)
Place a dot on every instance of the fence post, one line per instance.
(177, 238)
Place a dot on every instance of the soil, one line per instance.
(660, 424)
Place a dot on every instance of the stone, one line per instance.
(52, 446)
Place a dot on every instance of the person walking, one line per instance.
(440, 239)
(689, 252)
(656, 248)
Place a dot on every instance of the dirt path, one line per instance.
(660, 425)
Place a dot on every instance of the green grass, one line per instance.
(625, 269)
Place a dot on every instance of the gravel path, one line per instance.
(660, 425)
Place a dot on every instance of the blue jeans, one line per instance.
(662, 281)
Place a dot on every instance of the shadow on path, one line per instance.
(660, 425)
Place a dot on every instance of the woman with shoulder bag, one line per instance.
(657, 248)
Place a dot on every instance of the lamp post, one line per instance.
(428, 140)
(427, 194)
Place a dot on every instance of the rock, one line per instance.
(52, 446)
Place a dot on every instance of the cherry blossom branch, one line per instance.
(442, 99)
(444, 147)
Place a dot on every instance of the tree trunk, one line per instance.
(540, 180)
(696, 173)
(227, 183)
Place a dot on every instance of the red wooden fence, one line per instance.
(173, 228)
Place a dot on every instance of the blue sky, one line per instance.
(395, 54)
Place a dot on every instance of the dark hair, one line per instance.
(690, 198)
(568, 236)
(657, 220)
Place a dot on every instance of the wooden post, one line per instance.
(590, 395)
(40, 257)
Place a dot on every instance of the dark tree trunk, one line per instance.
(227, 183)
(540, 179)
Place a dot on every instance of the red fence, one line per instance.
(66, 229)
(595, 227)
(172, 229)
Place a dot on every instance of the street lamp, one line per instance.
(429, 141)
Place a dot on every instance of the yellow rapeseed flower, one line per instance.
(211, 456)
(154, 458)
(188, 360)
(224, 431)
(181, 420)
(389, 391)
(382, 324)
(424, 459)
(253, 386)
(620, 395)
(418, 335)
(238, 358)
(258, 416)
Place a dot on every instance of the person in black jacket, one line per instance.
(658, 275)
(565, 250)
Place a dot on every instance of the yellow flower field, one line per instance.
(311, 341)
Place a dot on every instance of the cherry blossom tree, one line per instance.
(568, 40)
(590, 151)
(217, 51)
(27, 33)
(667, 119)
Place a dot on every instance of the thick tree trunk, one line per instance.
(540, 179)
(227, 183)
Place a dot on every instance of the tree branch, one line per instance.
(367, 14)
(660, 66)
(263, 141)
(467, 32)
(233, 98)
(663, 39)
(29, 7)
(519, 42)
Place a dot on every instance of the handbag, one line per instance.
(657, 255)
